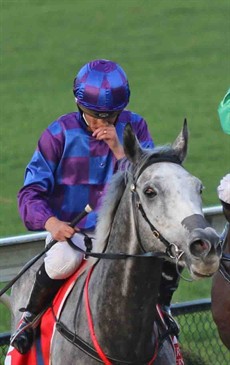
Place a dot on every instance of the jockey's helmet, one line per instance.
(101, 88)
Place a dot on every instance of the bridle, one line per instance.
(172, 249)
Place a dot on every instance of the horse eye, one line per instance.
(150, 192)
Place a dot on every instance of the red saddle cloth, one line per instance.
(40, 351)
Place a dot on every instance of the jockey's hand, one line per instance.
(108, 134)
(59, 230)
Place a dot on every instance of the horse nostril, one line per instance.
(199, 248)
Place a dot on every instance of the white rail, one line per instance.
(15, 251)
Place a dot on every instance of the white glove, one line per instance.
(223, 189)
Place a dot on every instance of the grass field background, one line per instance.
(175, 53)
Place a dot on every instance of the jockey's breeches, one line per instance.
(62, 260)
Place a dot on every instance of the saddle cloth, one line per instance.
(40, 351)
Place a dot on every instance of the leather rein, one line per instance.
(223, 270)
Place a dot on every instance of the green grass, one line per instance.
(200, 338)
(175, 53)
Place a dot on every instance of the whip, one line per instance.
(72, 224)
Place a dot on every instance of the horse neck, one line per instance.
(123, 293)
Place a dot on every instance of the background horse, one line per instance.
(152, 211)
(220, 295)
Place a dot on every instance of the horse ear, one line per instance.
(180, 145)
(131, 146)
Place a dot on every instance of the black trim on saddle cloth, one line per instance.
(87, 349)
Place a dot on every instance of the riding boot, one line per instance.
(43, 292)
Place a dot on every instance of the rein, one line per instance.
(118, 255)
(223, 270)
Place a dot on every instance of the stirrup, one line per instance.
(172, 324)
(23, 338)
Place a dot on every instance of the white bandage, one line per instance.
(223, 189)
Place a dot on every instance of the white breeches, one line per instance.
(62, 260)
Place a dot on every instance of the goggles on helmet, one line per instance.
(99, 114)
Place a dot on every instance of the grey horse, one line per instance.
(152, 211)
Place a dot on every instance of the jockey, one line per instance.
(75, 159)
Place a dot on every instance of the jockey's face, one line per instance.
(95, 123)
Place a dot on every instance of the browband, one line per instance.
(158, 158)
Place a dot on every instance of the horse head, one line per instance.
(169, 202)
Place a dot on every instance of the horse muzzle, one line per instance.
(205, 252)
